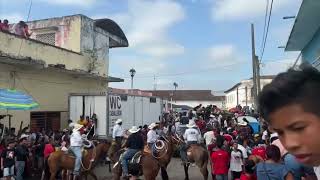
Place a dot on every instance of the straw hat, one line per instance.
(152, 125)
(191, 124)
(134, 129)
(242, 123)
(24, 136)
(118, 121)
(77, 127)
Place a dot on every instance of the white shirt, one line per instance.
(264, 135)
(209, 137)
(236, 161)
(75, 138)
(117, 131)
(152, 136)
(191, 134)
(317, 171)
(243, 150)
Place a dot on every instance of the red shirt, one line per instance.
(201, 124)
(48, 149)
(220, 162)
(228, 137)
(260, 151)
(246, 177)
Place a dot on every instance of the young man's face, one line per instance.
(299, 132)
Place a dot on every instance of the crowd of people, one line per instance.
(24, 155)
(285, 147)
(21, 28)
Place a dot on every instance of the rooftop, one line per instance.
(305, 26)
(188, 95)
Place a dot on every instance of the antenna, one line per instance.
(154, 83)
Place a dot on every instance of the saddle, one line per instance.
(189, 152)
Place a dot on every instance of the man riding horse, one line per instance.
(191, 136)
(76, 143)
(117, 138)
(134, 144)
(152, 135)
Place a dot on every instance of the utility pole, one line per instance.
(254, 68)
(246, 95)
(258, 75)
(237, 96)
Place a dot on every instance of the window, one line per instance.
(153, 100)
(49, 38)
(124, 97)
(46, 120)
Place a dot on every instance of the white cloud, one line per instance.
(147, 24)
(70, 2)
(223, 55)
(244, 9)
(13, 18)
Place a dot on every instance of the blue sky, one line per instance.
(200, 44)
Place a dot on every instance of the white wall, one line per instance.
(231, 97)
(146, 112)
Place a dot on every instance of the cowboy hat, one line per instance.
(76, 127)
(24, 136)
(152, 125)
(212, 116)
(191, 124)
(134, 129)
(242, 123)
(118, 121)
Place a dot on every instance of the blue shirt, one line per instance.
(271, 171)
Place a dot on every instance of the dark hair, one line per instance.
(273, 153)
(249, 166)
(5, 21)
(292, 87)
(219, 141)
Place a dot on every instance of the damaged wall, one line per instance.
(49, 88)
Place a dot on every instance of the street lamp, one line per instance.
(173, 93)
(175, 88)
(132, 73)
(289, 17)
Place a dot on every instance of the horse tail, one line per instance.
(164, 174)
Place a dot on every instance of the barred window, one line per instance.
(48, 38)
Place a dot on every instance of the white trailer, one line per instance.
(133, 110)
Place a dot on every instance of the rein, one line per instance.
(94, 154)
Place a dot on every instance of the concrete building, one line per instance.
(241, 93)
(305, 34)
(64, 55)
(191, 98)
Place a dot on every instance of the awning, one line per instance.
(305, 26)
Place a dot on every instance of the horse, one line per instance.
(198, 155)
(150, 163)
(60, 160)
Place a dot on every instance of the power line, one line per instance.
(184, 73)
(28, 16)
(265, 23)
(295, 63)
(267, 31)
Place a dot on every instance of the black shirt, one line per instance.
(135, 141)
(8, 156)
(22, 153)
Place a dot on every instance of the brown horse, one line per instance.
(151, 164)
(60, 160)
(198, 155)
